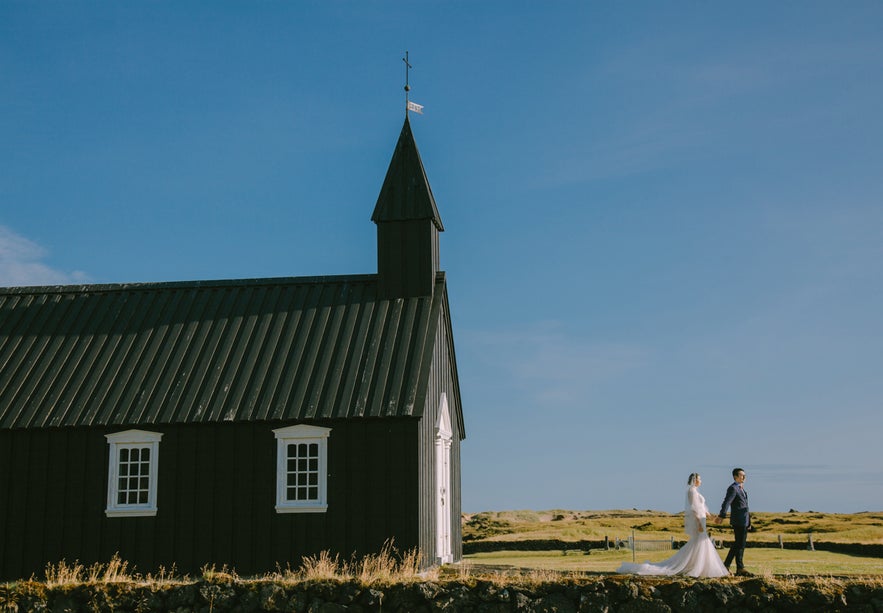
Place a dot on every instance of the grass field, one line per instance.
(571, 526)
(595, 525)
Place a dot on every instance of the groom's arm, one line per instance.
(728, 499)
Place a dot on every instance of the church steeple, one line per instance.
(408, 224)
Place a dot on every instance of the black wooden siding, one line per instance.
(216, 498)
(407, 258)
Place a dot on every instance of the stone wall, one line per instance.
(602, 593)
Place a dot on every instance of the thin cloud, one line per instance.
(556, 365)
(22, 263)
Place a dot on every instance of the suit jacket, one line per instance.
(737, 501)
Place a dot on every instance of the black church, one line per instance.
(245, 423)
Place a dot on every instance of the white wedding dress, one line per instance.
(698, 558)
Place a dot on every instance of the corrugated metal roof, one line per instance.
(263, 349)
(406, 194)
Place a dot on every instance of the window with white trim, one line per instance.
(132, 473)
(301, 469)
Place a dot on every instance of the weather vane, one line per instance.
(409, 106)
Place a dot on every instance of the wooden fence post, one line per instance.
(810, 545)
(781, 544)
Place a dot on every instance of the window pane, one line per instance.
(133, 483)
(302, 471)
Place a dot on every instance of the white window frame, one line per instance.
(295, 435)
(131, 439)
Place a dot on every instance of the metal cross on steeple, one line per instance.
(407, 68)
(409, 106)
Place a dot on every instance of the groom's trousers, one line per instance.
(740, 537)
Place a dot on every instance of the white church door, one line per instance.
(443, 438)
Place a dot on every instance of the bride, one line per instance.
(698, 558)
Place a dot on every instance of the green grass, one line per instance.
(762, 561)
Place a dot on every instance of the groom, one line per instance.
(737, 501)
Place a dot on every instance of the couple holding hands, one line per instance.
(699, 558)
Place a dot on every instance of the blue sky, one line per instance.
(663, 220)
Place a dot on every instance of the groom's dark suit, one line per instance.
(737, 501)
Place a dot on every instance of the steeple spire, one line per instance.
(408, 224)
(405, 193)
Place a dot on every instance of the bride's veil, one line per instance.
(694, 506)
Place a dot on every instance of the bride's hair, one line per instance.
(691, 480)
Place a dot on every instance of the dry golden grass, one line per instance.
(387, 566)
(115, 571)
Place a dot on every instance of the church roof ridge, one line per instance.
(186, 284)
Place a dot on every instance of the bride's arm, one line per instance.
(696, 507)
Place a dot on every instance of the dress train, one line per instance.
(698, 558)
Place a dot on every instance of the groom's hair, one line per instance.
(736, 471)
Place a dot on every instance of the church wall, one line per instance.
(216, 497)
